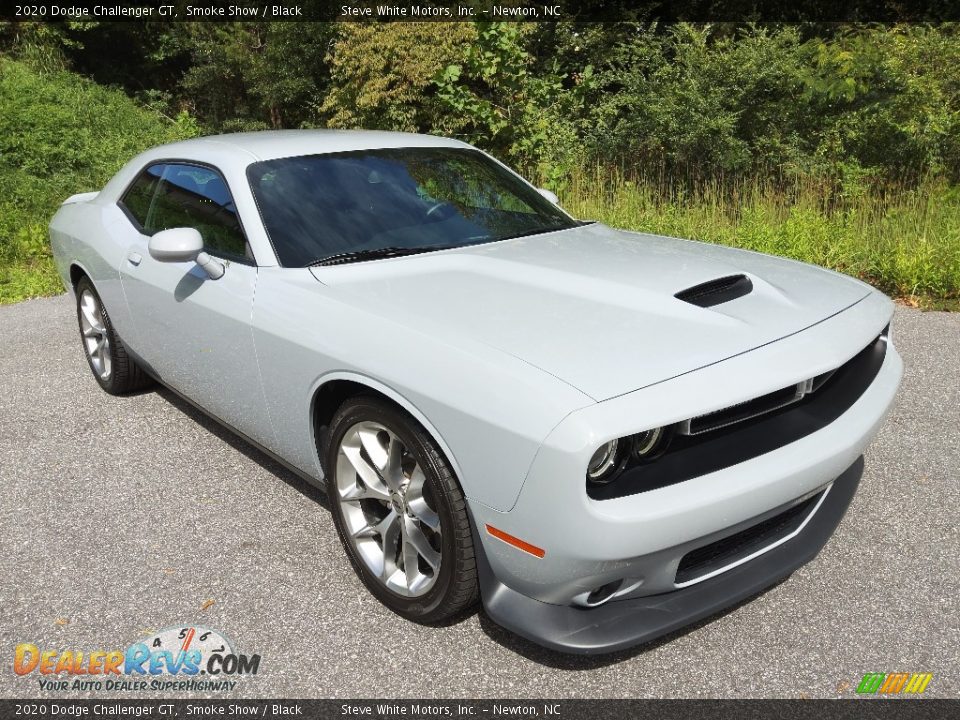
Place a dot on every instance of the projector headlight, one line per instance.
(648, 443)
(603, 462)
(613, 458)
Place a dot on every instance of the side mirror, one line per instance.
(176, 245)
(183, 245)
(551, 196)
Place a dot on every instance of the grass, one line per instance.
(904, 241)
(27, 274)
(60, 134)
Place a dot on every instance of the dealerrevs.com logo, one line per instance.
(187, 658)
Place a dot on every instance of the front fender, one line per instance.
(405, 403)
(488, 411)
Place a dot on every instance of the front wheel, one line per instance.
(399, 512)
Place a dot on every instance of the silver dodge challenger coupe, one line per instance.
(603, 435)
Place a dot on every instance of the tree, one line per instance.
(381, 75)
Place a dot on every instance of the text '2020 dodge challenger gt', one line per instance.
(603, 435)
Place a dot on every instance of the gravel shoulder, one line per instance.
(126, 515)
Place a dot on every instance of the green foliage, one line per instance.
(888, 99)
(253, 75)
(381, 75)
(696, 99)
(905, 241)
(833, 143)
(852, 103)
(509, 106)
(41, 45)
(59, 135)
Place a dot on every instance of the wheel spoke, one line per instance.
(92, 313)
(418, 504)
(369, 475)
(370, 440)
(415, 537)
(391, 539)
(365, 492)
(378, 528)
(392, 470)
(411, 564)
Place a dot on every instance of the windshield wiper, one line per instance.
(375, 254)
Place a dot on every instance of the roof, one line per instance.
(271, 144)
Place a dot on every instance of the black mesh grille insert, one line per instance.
(714, 292)
(743, 411)
(725, 551)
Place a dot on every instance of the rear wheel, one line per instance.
(112, 367)
(399, 511)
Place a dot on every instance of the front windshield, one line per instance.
(318, 206)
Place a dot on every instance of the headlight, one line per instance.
(603, 461)
(647, 443)
(613, 457)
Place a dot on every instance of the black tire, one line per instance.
(455, 587)
(124, 374)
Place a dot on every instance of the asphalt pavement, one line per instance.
(123, 516)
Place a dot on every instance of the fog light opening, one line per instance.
(603, 593)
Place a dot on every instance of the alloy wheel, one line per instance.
(387, 508)
(96, 340)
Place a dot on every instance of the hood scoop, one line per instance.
(715, 292)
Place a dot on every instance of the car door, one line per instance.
(193, 332)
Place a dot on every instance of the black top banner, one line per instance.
(821, 11)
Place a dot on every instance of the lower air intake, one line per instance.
(729, 550)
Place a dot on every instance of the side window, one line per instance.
(181, 195)
(139, 196)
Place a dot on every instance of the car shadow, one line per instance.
(189, 284)
(258, 456)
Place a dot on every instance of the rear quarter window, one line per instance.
(138, 197)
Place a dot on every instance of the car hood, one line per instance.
(594, 306)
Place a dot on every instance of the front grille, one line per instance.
(761, 405)
(744, 411)
(728, 550)
(826, 397)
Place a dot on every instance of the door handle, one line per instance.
(134, 258)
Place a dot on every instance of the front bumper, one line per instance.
(624, 623)
(642, 540)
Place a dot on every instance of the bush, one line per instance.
(59, 135)
(851, 103)
(381, 75)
